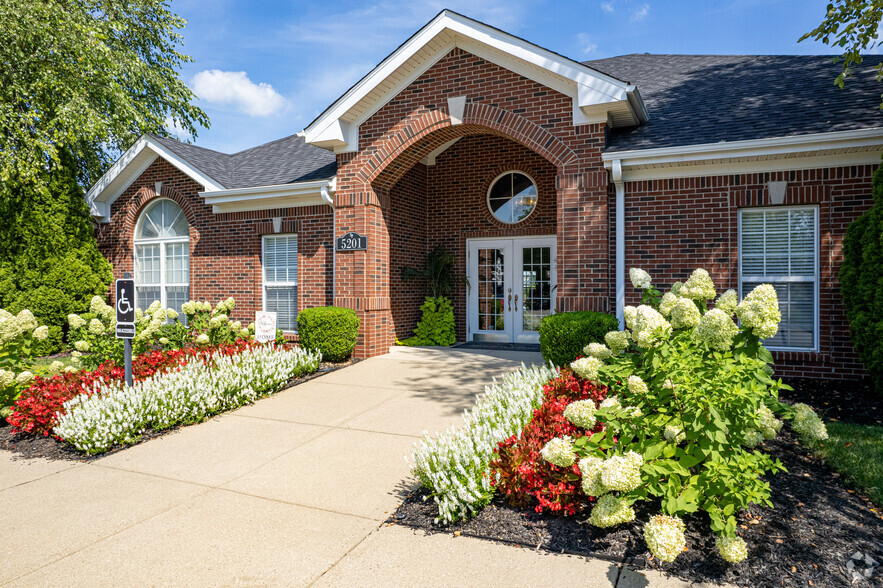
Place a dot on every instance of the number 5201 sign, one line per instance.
(352, 242)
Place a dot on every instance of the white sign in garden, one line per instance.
(264, 326)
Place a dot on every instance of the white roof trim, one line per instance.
(820, 150)
(269, 197)
(129, 167)
(588, 87)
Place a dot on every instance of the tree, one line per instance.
(851, 25)
(86, 77)
(49, 261)
(861, 283)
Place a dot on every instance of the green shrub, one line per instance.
(861, 283)
(329, 329)
(563, 335)
(436, 326)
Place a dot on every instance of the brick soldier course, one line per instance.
(408, 155)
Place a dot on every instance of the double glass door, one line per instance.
(511, 288)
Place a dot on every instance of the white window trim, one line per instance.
(161, 241)
(787, 279)
(494, 183)
(265, 283)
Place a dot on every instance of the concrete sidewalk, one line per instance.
(290, 491)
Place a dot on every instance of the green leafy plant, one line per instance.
(438, 273)
(436, 325)
(861, 283)
(563, 335)
(18, 334)
(329, 329)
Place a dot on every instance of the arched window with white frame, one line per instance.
(162, 255)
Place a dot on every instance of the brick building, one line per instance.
(546, 177)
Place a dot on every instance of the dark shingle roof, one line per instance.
(284, 161)
(695, 99)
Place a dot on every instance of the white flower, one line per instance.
(559, 452)
(598, 350)
(640, 279)
(55, 367)
(97, 304)
(202, 339)
(82, 346)
(244, 333)
(590, 468)
(24, 377)
(171, 313)
(26, 320)
(752, 438)
(716, 329)
(189, 308)
(732, 549)
(622, 472)
(75, 321)
(163, 341)
(727, 302)
(676, 288)
(807, 424)
(617, 341)
(40, 333)
(665, 537)
(610, 511)
(668, 384)
(6, 378)
(768, 423)
(684, 314)
(674, 433)
(218, 320)
(154, 306)
(587, 368)
(581, 413)
(95, 327)
(630, 314)
(70, 369)
(759, 311)
(637, 385)
(237, 325)
(667, 303)
(698, 286)
(650, 328)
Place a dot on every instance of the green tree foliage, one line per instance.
(49, 262)
(861, 283)
(850, 25)
(87, 77)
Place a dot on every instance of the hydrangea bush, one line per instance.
(454, 464)
(18, 333)
(691, 397)
(115, 414)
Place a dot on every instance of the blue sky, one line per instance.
(263, 70)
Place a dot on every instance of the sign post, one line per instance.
(264, 326)
(125, 308)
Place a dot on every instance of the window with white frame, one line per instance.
(162, 256)
(280, 279)
(779, 246)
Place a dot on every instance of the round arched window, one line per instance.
(162, 256)
(512, 197)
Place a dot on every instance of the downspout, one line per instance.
(326, 196)
(619, 184)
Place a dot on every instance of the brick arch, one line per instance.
(412, 139)
(143, 197)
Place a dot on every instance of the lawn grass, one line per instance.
(856, 451)
(41, 364)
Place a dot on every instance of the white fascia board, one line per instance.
(591, 85)
(269, 197)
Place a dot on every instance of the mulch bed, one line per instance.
(850, 401)
(25, 446)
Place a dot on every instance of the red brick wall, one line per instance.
(406, 219)
(675, 226)
(225, 249)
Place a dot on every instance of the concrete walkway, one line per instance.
(290, 491)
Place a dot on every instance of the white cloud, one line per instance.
(641, 13)
(607, 7)
(175, 129)
(235, 89)
(586, 45)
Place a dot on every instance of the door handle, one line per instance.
(516, 303)
(510, 299)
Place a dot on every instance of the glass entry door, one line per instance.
(511, 288)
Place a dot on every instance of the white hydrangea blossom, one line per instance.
(55, 367)
(752, 438)
(24, 378)
(610, 511)
(807, 424)
(559, 452)
(727, 302)
(95, 327)
(716, 329)
(698, 286)
(668, 303)
(622, 472)
(610, 402)
(650, 327)
(75, 321)
(40, 333)
(668, 384)
(768, 423)
(685, 315)
(665, 537)
(640, 279)
(81, 346)
(587, 368)
(590, 468)
(676, 288)
(171, 313)
(6, 378)
(244, 333)
(759, 311)
(202, 339)
(581, 413)
(237, 325)
(617, 341)
(70, 369)
(189, 308)
(26, 320)
(97, 304)
(163, 340)
(637, 385)
(630, 314)
(674, 433)
(218, 320)
(732, 549)
(598, 350)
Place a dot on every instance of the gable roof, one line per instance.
(703, 99)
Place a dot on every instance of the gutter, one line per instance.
(326, 196)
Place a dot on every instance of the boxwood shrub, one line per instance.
(329, 329)
(563, 335)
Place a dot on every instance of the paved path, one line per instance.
(290, 491)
